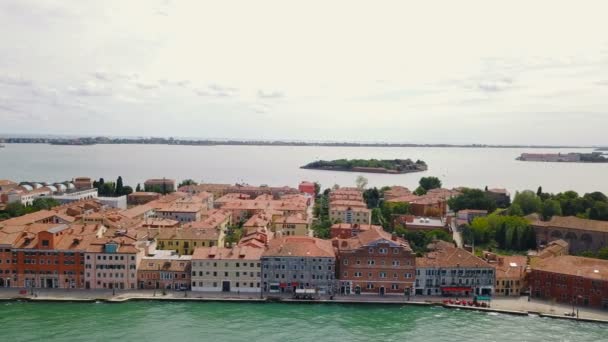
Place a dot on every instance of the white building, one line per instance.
(233, 270)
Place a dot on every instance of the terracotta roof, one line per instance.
(221, 253)
(214, 220)
(596, 269)
(183, 208)
(513, 266)
(295, 219)
(136, 211)
(347, 203)
(370, 236)
(126, 244)
(300, 246)
(446, 255)
(35, 217)
(572, 222)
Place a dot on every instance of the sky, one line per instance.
(492, 72)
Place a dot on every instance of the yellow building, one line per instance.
(185, 240)
(294, 225)
(510, 275)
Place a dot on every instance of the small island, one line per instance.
(392, 166)
(593, 157)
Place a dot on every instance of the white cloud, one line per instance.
(389, 70)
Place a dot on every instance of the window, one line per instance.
(395, 250)
(382, 274)
(371, 262)
(395, 262)
(371, 251)
(345, 262)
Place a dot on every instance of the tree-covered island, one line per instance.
(394, 166)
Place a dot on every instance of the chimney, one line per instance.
(394, 237)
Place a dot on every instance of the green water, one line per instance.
(176, 322)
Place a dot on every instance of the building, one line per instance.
(292, 225)
(355, 215)
(162, 185)
(185, 240)
(467, 216)
(298, 262)
(75, 196)
(447, 270)
(111, 262)
(308, 188)
(571, 280)
(348, 230)
(218, 269)
(242, 207)
(581, 234)
(6, 185)
(52, 256)
(164, 270)
(82, 183)
(423, 224)
(182, 212)
(346, 205)
(374, 262)
(26, 197)
(119, 202)
(511, 276)
(142, 197)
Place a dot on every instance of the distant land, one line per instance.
(392, 166)
(594, 157)
(81, 141)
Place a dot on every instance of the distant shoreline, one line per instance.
(88, 141)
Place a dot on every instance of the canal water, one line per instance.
(208, 321)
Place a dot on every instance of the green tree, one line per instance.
(127, 190)
(515, 210)
(599, 211)
(317, 189)
(420, 191)
(550, 208)
(138, 187)
(187, 182)
(527, 201)
(472, 199)
(603, 253)
(43, 203)
(428, 183)
(539, 191)
(118, 191)
(372, 197)
(15, 209)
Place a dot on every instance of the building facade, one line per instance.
(298, 262)
(447, 270)
(164, 271)
(235, 270)
(374, 262)
(571, 280)
(111, 263)
(580, 234)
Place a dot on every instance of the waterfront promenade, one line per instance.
(518, 305)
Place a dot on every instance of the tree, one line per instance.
(603, 253)
(187, 182)
(539, 191)
(42, 203)
(317, 189)
(119, 187)
(472, 199)
(420, 191)
(515, 210)
(527, 201)
(127, 190)
(372, 197)
(428, 183)
(138, 187)
(361, 182)
(550, 208)
(599, 211)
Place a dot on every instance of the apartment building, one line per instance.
(218, 269)
(375, 262)
(298, 262)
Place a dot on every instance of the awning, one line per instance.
(456, 289)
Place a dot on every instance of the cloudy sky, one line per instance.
(529, 72)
